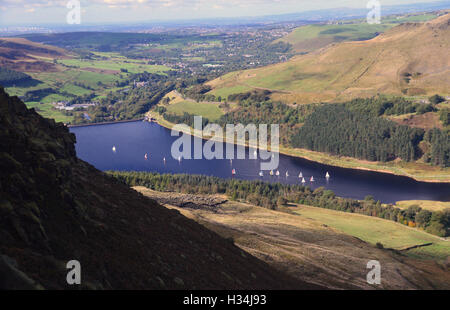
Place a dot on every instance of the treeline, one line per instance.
(10, 77)
(273, 195)
(337, 130)
(439, 155)
(127, 105)
(268, 112)
(198, 93)
(378, 106)
(186, 118)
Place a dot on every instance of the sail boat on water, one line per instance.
(146, 156)
(271, 172)
(312, 179)
(303, 180)
(300, 176)
(278, 173)
(261, 174)
(287, 174)
(233, 172)
(114, 149)
(327, 175)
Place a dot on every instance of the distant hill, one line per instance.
(309, 38)
(409, 59)
(312, 37)
(23, 55)
(55, 208)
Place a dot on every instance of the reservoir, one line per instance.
(133, 140)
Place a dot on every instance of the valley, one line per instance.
(92, 172)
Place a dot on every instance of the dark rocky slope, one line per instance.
(55, 208)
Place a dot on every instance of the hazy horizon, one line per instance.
(95, 12)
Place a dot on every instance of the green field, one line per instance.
(46, 110)
(115, 65)
(210, 111)
(373, 230)
(226, 91)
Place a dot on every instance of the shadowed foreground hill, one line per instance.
(55, 208)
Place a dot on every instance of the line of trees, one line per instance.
(272, 195)
(337, 130)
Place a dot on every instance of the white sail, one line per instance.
(278, 173)
(303, 180)
(114, 148)
(312, 179)
(271, 172)
(287, 173)
(327, 175)
(261, 174)
(300, 176)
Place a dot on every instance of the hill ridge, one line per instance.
(409, 59)
(55, 208)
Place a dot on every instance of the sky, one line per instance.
(35, 12)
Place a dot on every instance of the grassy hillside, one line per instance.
(410, 59)
(308, 38)
(424, 204)
(311, 37)
(373, 230)
(306, 248)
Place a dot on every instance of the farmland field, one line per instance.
(210, 111)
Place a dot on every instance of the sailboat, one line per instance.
(312, 179)
(114, 148)
(287, 174)
(300, 176)
(327, 175)
(233, 172)
(255, 153)
(164, 160)
(261, 174)
(179, 159)
(303, 180)
(278, 173)
(146, 156)
(271, 173)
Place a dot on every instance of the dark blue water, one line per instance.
(133, 140)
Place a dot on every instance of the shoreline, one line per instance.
(106, 123)
(292, 152)
(352, 164)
